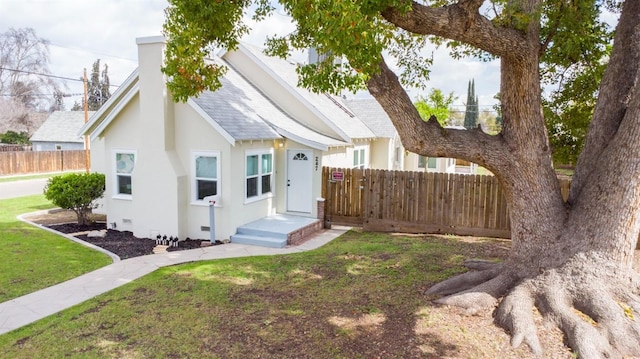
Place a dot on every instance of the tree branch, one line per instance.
(544, 45)
(617, 88)
(462, 22)
(429, 138)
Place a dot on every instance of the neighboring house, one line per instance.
(390, 154)
(415, 162)
(60, 132)
(256, 147)
(388, 150)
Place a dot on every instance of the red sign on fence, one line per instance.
(337, 176)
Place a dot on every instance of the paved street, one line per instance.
(22, 188)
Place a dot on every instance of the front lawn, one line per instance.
(33, 259)
(360, 296)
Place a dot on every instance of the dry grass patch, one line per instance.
(363, 321)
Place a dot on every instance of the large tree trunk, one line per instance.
(570, 260)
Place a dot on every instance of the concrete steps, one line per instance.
(262, 241)
(276, 231)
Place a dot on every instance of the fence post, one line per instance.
(320, 208)
(327, 204)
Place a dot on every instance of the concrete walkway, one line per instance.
(22, 188)
(21, 311)
(22, 185)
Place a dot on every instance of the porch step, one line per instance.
(276, 231)
(261, 241)
(248, 230)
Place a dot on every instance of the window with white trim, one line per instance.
(422, 161)
(124, 165)
(205, 174)
(359, 157)
(427, 162)
(259, 174)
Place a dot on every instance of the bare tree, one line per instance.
(15, 116)
(24, 84)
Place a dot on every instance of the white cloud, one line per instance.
(81, 31)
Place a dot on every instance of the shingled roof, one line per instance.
(373, 115)
(245, 113)
(237, 108)
(61, 126)
(332, 108)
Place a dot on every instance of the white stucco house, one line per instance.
(256, 147)
(60, 132)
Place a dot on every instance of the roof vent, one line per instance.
(340, 105)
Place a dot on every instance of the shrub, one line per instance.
(15, 138)
(77, 192)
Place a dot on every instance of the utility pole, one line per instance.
(87, 158)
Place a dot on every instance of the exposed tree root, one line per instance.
(634, 303)
(580, 331)
(611, 315)
(482, 296)
(465, 281)
(590, 301)
(481, 264)
(515, 315)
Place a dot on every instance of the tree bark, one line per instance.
(566, 258)
(620, 79)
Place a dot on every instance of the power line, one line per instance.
(40, 74)
(48, 75)
(42, 95)
(93, 52)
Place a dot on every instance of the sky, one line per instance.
(82, 31)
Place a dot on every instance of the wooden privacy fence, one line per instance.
(418, 202)
(21, 162)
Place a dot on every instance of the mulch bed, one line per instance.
(122, 243)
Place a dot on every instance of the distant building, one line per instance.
(60, 132)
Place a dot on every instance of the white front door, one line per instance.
(299, 175)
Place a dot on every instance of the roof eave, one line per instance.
(212, 122)
(293, 92)
(104, 120)
(101, 118)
